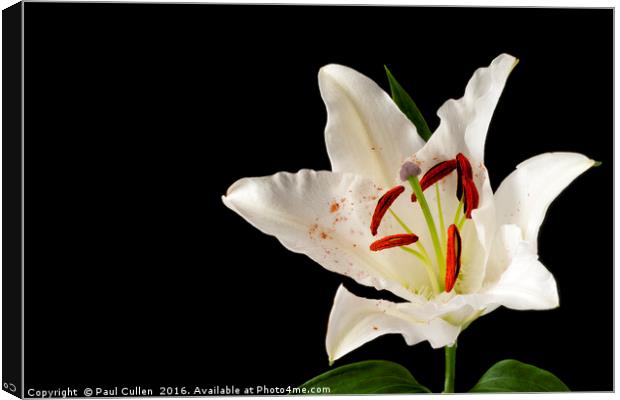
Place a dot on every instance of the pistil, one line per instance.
(417, 189)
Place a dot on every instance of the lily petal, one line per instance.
(526, 284)
(464, 122)
(326, 216)
(366, 133)
(507, 239)
(525, 195)
(355, 321)
(484, 223)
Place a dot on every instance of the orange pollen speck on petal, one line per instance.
(401, 239)
(383, 205)
(453, 257)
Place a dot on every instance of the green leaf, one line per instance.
(367, 377)
(407, 106)
(515, 376)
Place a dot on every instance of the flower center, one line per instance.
(444, 275)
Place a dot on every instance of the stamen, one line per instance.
(471, 198)
(464, 166)
(466, 188)
(383, 205)
(401, 239)
(435, 174)
(464, 172)
(453, 257)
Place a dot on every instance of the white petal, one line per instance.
(366, 133)
(514, 276)
(326, 216)
(464, 122)
(473, 261)
(526, 284)
(484, 216)
(504, 248)
(524, 196)
(354, 321)
(477, 244)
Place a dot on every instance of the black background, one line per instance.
(139, 117)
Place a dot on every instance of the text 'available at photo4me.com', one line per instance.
(130, 391)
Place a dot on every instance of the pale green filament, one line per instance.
(400, 222)
(424, 254)
(417, 189)
(457, 215)
(442, 225)
(423, 250)
(429, 268)
(461, 222)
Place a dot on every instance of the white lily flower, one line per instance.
(463, 257)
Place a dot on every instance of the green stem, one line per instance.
(417, 189)
(448, 386)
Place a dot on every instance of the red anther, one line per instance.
(435, 174)
(402, 239)
(464, 166)
(453, 257)
(464, 172)
(465, 185)
(384, 203)
(471, 198)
